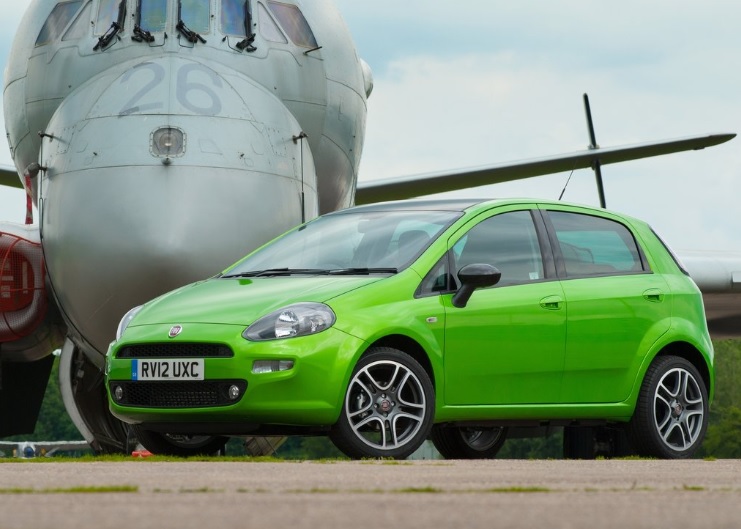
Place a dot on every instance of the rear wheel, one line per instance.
(388, 407)
(671, 414)
(180, 445)
(468, 443)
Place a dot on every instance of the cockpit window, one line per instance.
(152, 15)
(293, 21)
(233, 15)
(107, 14)
(268, 28)
(57, 21)
(196, 15)
(81, 26)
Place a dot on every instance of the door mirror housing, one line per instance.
(474, 276)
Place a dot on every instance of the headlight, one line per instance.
(296, 320)
(126, 320)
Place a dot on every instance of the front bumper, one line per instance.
(308, 394)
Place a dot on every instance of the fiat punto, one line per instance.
(454, 320)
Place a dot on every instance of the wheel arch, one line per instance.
(690, 353)
(409, 346)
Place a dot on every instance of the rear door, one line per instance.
(617, 308)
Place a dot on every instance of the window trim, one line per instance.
(558, 254)
(59, 37)
(544, 244)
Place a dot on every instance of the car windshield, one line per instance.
(349, 243)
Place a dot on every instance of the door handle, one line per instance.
(654, 295)
(551, 302)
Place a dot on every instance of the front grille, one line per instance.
(176, 350)
(195, 394)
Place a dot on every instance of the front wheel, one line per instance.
(180, 445)
(388, 407)
(671, 414)
(468, 443)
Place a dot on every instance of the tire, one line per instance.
(180, 445)
(388, 407)
(671, 414)
(468, 443)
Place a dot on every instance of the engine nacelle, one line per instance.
(24, 302)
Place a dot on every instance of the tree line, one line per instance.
(723, 439)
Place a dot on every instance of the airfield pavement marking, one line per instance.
(342, 494)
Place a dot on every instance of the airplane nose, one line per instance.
(140, 198)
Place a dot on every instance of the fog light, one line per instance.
(271, 366)
(233, 392)
(118, 393)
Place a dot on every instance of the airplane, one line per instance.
(161, 140)
(31, 449)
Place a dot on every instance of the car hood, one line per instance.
(242, 301)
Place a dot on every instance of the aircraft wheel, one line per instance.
(671, 414)
(468, 443)
(388, 407)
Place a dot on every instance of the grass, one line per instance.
(74, 490)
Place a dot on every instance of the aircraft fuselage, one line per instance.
(166, 157)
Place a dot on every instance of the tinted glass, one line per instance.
(107, 13)
(57, 21)
(196, 15)
(232, 17)
(389, 239)
(81, 26)
(268, 28)
(594, 246)
(293, 22)
(507, 241)
(153, 15)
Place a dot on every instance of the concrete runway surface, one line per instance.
(378, 494)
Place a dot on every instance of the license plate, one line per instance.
(190, 369)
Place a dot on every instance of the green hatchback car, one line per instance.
(461, 321)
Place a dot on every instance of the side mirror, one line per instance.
(474, 276)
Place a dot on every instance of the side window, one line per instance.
(595, 246)
(60, 16)
(268, 28)
(152, 15)
(107, 14)
(438, 279)
(507, 241)
(233, 16)
(81, 26)
(293, 22)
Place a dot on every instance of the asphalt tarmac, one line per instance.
(374, 494)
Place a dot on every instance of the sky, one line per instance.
(473, 82)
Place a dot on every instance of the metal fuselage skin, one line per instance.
(121, 224)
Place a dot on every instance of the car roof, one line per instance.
(454, 204)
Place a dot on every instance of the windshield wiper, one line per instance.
(189, 34)
(249, 35)
(362, 271)
(139, 34)
(116, 26)
(272, 272)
